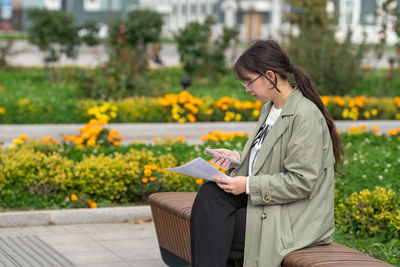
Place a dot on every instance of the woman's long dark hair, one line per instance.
(268, 55)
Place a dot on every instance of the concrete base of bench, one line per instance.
(171, 216)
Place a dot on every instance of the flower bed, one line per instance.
(184, 107)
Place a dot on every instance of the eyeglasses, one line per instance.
(247, 84)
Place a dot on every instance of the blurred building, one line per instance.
(98, 10)
(266, 18)
(255, 18)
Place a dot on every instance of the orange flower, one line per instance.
(151, 166)
(199, 181)
(93, 205)
(74, 197)
(363, 127)
(339, 101)
(23, 137)
(190, 117)
(117, 143)
(392, 132)
(180, 139)
(353, 129)
(145, 180)
(79, 141)
(89, 201)
(147, 172)
(152, 178)
(375, 128)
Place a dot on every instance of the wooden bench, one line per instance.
(171, 216)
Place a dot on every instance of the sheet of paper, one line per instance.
(199, 168)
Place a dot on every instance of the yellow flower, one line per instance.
(23, 137)
(367, 115)
(345, 113)
(156, 140)
(145, 180)
(74, 197)
(79, 141)
(113, 114)
(238, 117)
(93, 205)
(91, 142)
(256, 113)
(397, 116)
(147, 172)
(2, 110)
(18, 141)
(374, 112)
(199, 181)
(180, 139)
(375, 128)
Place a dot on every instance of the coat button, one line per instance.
(267, 197)
(263, 216)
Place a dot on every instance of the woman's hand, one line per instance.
(225, 164)
(236, 185)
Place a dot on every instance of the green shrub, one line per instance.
(372, 213)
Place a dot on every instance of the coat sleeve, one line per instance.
(303, 165)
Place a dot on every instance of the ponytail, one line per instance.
(306, 87)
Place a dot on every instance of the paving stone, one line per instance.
(139, 254)
(125, 235)
(117, 245)
(147, 263)
(92, 257)
(109, 264)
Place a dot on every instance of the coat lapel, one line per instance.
(277, 129)
(261, 121)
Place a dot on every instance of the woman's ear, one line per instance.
(270, 74)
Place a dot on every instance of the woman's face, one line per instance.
(258, 85)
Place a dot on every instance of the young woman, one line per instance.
(281, 196)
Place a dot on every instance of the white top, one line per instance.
(257, 143)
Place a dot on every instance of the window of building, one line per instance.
(348, 12)
(193, 9)
(184, 9)
(240, 18)
(367, 15)
(52, 4)
(91, 5)
(266, 17)
(203, 8)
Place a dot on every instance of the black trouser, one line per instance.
(217, 230)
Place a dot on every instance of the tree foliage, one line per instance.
(54, 32)
(201, 56)
(123, 74)
(333, 66)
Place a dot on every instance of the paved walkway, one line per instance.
(99, 244)
(146, 132)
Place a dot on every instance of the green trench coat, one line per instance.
(291, 198)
